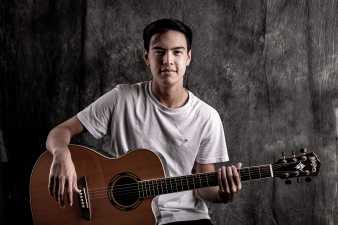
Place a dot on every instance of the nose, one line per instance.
(168, 58)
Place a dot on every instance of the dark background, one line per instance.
(270, 67)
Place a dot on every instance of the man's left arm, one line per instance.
(228, 179)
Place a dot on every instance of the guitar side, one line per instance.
(99, 172)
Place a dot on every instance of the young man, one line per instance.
(160, 115)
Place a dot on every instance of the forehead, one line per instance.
(168, 39)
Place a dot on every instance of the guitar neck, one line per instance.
(154, 187)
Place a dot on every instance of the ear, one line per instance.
(189, 58)
(145, 57)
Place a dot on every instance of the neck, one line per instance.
(153, 187)
(170, 96)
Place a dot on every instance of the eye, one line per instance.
(178, 52)
(159, 52)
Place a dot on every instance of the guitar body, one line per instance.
(100, 173)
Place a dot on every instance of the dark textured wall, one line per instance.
(270, 68)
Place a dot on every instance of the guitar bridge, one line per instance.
(84, 201)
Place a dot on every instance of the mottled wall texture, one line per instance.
(270, 67)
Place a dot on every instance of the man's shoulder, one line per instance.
(203, 108)
(129, 88)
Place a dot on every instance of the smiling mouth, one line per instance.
(167, 71)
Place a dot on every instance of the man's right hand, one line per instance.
(62, 177)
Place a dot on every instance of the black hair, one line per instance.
(162, 25)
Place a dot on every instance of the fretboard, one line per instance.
(151, 188)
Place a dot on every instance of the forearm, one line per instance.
(210, 194)
(60, 136)
(228, 180)
(58, 139)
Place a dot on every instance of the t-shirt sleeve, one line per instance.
(213, 147)
(96, 117)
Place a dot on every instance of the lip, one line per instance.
(167, 71)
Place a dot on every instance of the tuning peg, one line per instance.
(294, 156)
(295, 173)
(288, 182)
(303, 150)
(308, 179)
(283, 158)
(306, 172)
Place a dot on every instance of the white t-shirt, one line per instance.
(134, 118)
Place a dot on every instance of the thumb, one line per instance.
(238, 165)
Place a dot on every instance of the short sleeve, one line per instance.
(96, 117)
(213, 147)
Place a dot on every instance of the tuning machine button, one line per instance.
(294, 157)
(303, 150)
(283, 159)
(295, 173)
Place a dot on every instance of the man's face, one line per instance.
(168, 57)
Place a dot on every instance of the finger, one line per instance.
(70, 192)
(61, 191)
(67, 191)
(239, 165)
(51, 185)
(220, 180)
(75, 185)
(56, 188)
(231, 179)
(237, 178)
(225, 180)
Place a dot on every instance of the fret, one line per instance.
(200, 178)
(165, 185)
(143, 194)
(161, 182)
(145, 188)
(171, 186)
(187, 181)
(206, 177)
(245, 174)
(181, 179)
(156, 183)
(255, 172)
(156, 187)
(151, 188)
(139, 191)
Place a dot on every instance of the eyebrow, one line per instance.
(175, 48)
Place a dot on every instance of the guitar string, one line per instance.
(182, 179)
(170, 181)
(131, 193)
(151, 187)
(244, 171)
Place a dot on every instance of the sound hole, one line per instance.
(123, 191)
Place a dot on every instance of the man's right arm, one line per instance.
(62, 176)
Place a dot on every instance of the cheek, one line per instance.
(181, 66)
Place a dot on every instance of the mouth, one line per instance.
(167, 70)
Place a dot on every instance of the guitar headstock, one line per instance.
(305, 164)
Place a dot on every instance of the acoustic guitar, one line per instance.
(119, 191)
